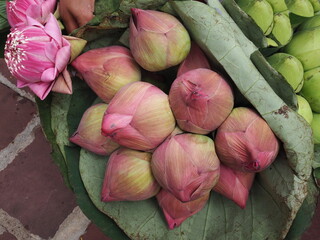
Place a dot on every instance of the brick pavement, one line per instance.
(34, 202)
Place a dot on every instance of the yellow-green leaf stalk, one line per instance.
(282, 30)
(316, 5)
(311, 88)
(278, 5)
(304, 109)
(260, 11)
(305, 46)
(310, 23)
(289, 67)
(315, 125)
(301, 8)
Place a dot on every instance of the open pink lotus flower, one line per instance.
(186, 165)
(38, 56)
(18, 10)
(245, 142)
(176, 211)
(234, 185)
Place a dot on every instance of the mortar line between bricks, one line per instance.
(13, 87)
(73, 227)
(15, 227)
(21, 141)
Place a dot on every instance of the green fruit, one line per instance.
(282, 30)
(305, 45)
(315, 125)
(278, 5)
(272, 43)
(289, 67)
(260, 11)
(304, 109)
(310, 23)
(311, 88)
(302, 8)
(315, 4)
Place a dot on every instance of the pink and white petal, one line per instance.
(49, 75)
(41, 89)
(62, 58)
(34, 11)
(53, 30)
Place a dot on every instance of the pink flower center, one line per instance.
(14, 52)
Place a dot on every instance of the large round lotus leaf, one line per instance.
(266, 216)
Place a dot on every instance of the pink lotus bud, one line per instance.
(200, 100)
(176, 211)
(157, 39)
(88, 134)
(107, 69)
(234, 185)
(195, 59)
(18, 10)
(186, 165)
(37, 54)
(128, 177)
(139, 117)
(245, 142)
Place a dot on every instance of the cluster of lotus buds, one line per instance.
(160, 144)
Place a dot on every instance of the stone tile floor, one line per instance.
(34, 202)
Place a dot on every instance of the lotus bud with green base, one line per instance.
(245, 142)
(128, 177)
(305, 46)
(260, 11)
(310, 23)
(88, 135)
(157, 39)
(278, 5)
(311, 88)
(186, 165)
(282, 30)
(315, 125)
(304, 109)
(289, 67)
(301, 8)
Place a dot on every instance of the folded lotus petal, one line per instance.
(41, 89)
(195, 59)
(62, 58)
(176, 211)
(63, 83)
(149, 21)
(53, 30)
(234, 185)
(49, 75)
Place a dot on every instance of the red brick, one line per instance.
(93, 232)
(16, 113)
(33, 191)
(7, 236)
